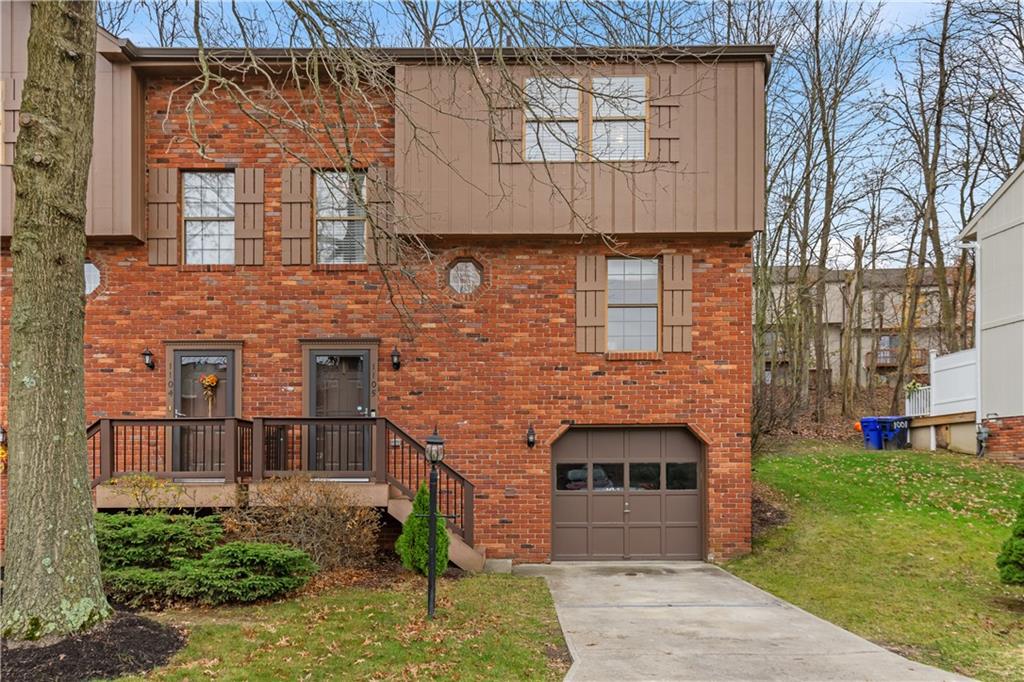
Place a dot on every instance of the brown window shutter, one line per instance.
(591, 303)
(10, 105)
(677, 308)
(248, 216)
(381, 240)
(162, 215)
(665, 125)
(296, 215)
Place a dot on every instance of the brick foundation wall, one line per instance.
(482, 367)
(1006, 440)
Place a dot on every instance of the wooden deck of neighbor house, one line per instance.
(214, 460)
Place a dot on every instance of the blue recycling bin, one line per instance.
(885, 433)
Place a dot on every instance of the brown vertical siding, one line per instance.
(457, 173)
(116, 177)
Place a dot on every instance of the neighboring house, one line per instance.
(997, 235)
(877, 345)
(632, 373)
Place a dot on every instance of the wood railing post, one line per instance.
(106, 450)
(467, 512)
(257, 449)
(229, 450)
(380, 451)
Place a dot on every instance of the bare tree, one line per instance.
(52, 572)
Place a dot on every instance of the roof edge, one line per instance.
(418, 54)
(970, 231)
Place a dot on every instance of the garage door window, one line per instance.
(645, 476)
(608, 477)
(681, 475)
(571, 476)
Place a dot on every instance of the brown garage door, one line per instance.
(627, 494)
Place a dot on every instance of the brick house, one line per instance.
(595, 400)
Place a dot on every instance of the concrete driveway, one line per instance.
(693, 621)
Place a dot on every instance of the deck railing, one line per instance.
(890, 357)
(233, 449)
(181, 449)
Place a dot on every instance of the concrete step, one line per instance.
(459, 553)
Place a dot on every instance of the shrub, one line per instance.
(149, 492)
(244, 572)
(412, 543)
(1011, 560)
(320, 518)
(153, 540)
(136, 587)
(235, 572)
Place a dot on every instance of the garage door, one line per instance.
(626, 494)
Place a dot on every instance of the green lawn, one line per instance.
(898, 547)
(486, 627)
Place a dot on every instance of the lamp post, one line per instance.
(435, 455)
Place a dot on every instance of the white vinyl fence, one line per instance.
(953, 389)
(919, 402)
(954, 382)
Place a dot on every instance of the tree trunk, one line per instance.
(52, 581)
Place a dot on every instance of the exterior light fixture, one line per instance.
(3, 436)
(147, 359)
(396, 359)
(531, 437)
(435, 455)
(435, 448)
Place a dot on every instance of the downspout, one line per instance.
(980, 428)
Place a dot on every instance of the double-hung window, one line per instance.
(209, 216)
(619, 118)
(340, 218)
(633, 293)
(552, 119)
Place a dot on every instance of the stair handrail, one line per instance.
(458, 506)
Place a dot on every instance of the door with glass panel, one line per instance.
(204, 387)
(340, 389)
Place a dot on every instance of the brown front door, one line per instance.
(198, 448)
(339, 388)
(626, 494)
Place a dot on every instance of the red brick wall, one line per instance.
(482, 367)
(1006, 440)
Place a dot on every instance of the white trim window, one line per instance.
(340, 217)
(208, 208)
(633, 293)
(552, 119)
(619, 118)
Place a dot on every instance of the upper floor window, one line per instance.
(633, 304)
(619, 118)
(209, 214)
(552, 119)
(340, 217)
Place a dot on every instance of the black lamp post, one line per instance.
(435, 455)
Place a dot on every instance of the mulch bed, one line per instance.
(127, 643)
(767, 510)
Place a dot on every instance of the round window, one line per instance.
(92, 278)
(465, 276)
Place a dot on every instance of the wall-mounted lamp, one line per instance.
(396, 359)
(531, 437)
(3, 436)
(147, 359)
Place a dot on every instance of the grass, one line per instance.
(486, 627)
(898, 547)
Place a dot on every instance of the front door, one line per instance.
(339, 389)
(203, 387)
